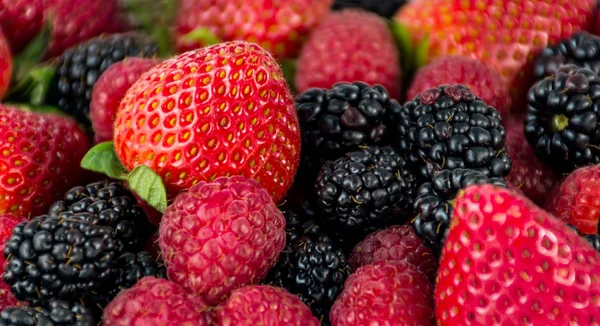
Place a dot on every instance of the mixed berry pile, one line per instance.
(299, 162)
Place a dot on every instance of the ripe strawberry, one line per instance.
(577, 199)
(507, 261)
(503, 34)
(396, 243)
(7, 223)
(6, 67)
(220, 236)
(279, 27)
(110, 89)
(385, 293)
(264, 305)
(528, 174)
(221, 110)
(483, 81)
(156, 302)
(21, 21)
(39, 159)
(351, 45)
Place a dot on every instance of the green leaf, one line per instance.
(103, 159)
(164, 38)
(38, 108)
(149, 186)
(422, 53)
(288, 66)
(32, 54)
(201, 35)
(34, 87)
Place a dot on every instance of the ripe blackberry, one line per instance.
(55, 313)
(130, 268)
(582, 49)
(79, 68)
(384, 8)
(60, 258)
(562, 118)
(343, 118)
(448, 128)
(107, 203)
(434, 203)
(366, 190)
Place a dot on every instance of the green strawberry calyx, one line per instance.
(413, 55)
(201, 35)
(142, 180)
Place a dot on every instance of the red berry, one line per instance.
(483, 81)
(21, 21)
(384, 293)
(576, 200)
(221, 235)
(528, 174)
(110, 89)
(39, 159)
(506, 261)
(264, 305)
(396, 243)
(7, 224)
(6, 68)
(218, 111)
(279, 28)
(351, 45)
(156, 302)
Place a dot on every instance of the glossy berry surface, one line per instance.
(221, 235)
(581, 49)
(55, 313)
(21, 21)
(221, 110)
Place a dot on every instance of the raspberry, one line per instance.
(221, 235)
(264, 305)
(396, 243)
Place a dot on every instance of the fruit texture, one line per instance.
(507, 260)
(576, 200)
(351, 45)
(506, 35)
(221, 110)
(561, 122)
(6, 64)
(280, 28)
(449, 127)
(40, 159)
(156, 302)
(79, 68)
(221, 235)
(582, 49)
(264, 305)
(385, 293)
(21, 21)
(396, 243)
(55, 313)
(482, 80)
(7, 223)
(109, 90)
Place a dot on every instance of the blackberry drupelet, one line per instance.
(434, 203)
(562, 118)
(343, 118)
(385, 8)
(130, 268)
(366, 190)
(78, 69)
(582, 49)
(448, 128)
(60, 258)
(55, 313)
(107, 203)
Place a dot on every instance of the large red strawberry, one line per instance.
(280, 27)
(6, 66)
(504, 34)
(218, 111)
(39, 159)
(21, 21)
(506, 261)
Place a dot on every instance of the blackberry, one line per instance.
(60, 258)
(366, 190)
(79, 67)
(384, 8)
(107, 203)
(448, 128)
(130, 268)
(562, 118)
(343, 118)
(434, 203)
(55, 313)
(582, 49)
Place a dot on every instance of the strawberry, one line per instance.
(507, 261)
(351, 45)
(503, 34)
(39, 159)
(218, 111)
(280, 27)
(577, 199)
(6, 66)
(21, 21)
